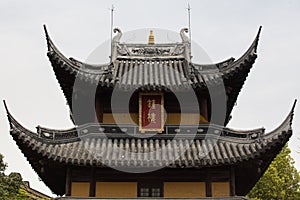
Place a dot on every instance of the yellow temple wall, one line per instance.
(184, 189)
(116, 189)
(220, 189)
(171, 189)
(80, 189)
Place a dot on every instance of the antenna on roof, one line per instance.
(190, 30)
(111, 29)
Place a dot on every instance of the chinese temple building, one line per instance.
(137, 132)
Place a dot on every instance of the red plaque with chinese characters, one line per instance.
(151, 110)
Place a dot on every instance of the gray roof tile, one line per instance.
(119, 149)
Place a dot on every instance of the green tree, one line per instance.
(2, 165)
(9, 185)
(280, 181)
(3, 191)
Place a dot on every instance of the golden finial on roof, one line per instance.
(151, 38)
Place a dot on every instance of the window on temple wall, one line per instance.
(150, 190)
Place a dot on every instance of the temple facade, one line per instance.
(150, 123)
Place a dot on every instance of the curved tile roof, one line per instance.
(110, 74)
(49, 157)
(154, 73)
(90, 147)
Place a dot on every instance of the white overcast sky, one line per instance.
(222, 28)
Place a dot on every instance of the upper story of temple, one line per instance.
(164, 69)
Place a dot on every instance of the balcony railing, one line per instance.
(126, 130)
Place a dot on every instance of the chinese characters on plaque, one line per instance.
(151, 112)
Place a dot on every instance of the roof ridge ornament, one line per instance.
(151, 38)
(116, 39)
(114, 44)
(187, 44)
(183, 35)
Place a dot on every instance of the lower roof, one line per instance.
(91, 145)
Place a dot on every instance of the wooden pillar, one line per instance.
(93, 182)
(232, 182)
(203, 108)
(68, 186)
(208, 188)
(99, 109)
